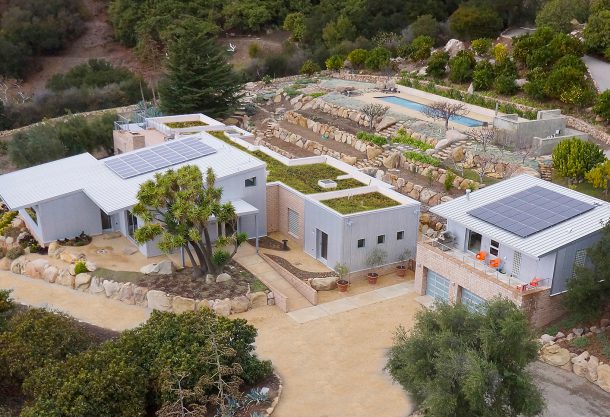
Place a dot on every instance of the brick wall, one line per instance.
(288, 199)
(272, 208)
(542, 308)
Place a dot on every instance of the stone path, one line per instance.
(350, 303)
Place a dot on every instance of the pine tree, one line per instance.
(199, 79)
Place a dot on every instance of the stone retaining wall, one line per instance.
(584, 365)
(306, 291)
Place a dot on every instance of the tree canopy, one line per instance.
(573, 158)
(461, 362)
(176, 208)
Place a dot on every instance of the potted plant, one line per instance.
(342, 282)
(403, 258)
(376, 258)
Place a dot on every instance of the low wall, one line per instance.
(545, 146)
(306, 291)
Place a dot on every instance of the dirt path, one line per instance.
(330, 144)
(296, 151)
(342, 123)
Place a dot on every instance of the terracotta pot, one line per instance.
(372, 277)
(342, 284)
(401, 270)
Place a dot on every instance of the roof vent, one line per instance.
(467, 194)
(327, 184)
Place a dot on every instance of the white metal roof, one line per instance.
(40, 183)
(243, 208)
(535, 245)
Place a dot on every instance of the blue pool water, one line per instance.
(463, 120)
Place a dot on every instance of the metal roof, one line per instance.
(111, 193)
(539, 243)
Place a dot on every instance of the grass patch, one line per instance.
(179, 125)
(408, 140)
(472, 175)
(257, 286)
(584, 187)
(118, 276)
(359, 203)
(422, 157)
(316, 95)
(580, 342)
(565, 324)
(372, 138)
(293, 90)
(303, 178)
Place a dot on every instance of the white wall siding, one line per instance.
(68, 216)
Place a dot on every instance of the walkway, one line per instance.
(93, 309)
(600, 72)
(350, 303)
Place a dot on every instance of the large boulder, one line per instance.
(96, 286)
(386, 122)
(324, 284)
(162, 268)
(111, 288)
(391, 161)
(158, 300)
(350, 160)
(139, 296)
(68, 257)
(258, 299)
(224, 277)
(201, 304)
(458, 154)
(240, 304)
(35, 268)
(454, 46)
(373, 152)
(525, 170)
(555, 355)
(50, 274)
(53, 247)
(182, 304)
(603, 377)
(64, 278)
(126, 293)
(82, 281)
(222, 307)
(5, 264)
(592, 365)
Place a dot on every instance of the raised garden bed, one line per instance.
(267, 242)
(81, 240)
(181, 125)
(360, 202)
(299, 273)
(183, 283)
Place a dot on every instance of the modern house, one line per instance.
(520, 238)
(334, 212)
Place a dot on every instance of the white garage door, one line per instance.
(437, 286)
(471, 300)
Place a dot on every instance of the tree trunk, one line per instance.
(197, 272)
(447, 124)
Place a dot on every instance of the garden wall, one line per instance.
(305, 290)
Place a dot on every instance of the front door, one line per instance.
(322, 239)
(106, 221)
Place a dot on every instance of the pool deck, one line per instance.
(422, 97)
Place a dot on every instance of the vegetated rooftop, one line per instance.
(360, 202)
(303, 178)
(180, 125)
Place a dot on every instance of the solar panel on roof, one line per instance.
(162, 156)
(531, 211)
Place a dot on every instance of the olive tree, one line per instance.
(463, 362)
(177, 207)
(445, 110)
(373, 111)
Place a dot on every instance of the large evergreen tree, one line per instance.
(199, 78)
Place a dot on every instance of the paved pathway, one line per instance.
(305, 315)
(600, 71)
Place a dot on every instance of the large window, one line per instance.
(293, 223)
(474, 241)
(494, 248)
(132, 223)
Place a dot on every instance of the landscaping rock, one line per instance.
(65, 279)
(201, 304)
(578, 331)
(350, 160)
(18, 223)
(209, 279)
(525, 170)
(111, 288)
(182, 304)
(125, 293)
(546, 338)
(595, 329)
(139, 296)
(604, 322)
(580, 366)
(373, 152)
(222, 307)
(50, 274)
(324, 284)
(162, 268)
(35, 268)
(554, 355)
(223, 277)
(18, 265)
(96, 286)
(258, 299)
(559, 335)
(5, 264)
(91, 266)
(67, 257)
(158, 300)
(240, 304)
(82, 281)
(592, 365)
(458, 154)
(53, 247)
(603, 377)
(454, 46)
(391, 161)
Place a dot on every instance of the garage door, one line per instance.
(471, 300)
(437, 286)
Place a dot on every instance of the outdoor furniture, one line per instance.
(494, 263)
(285, 244)
(481, 255)
(534, 282)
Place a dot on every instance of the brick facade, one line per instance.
(279, 199)
(540, 307)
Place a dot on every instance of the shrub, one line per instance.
(372, 138)
(358, 57)
(449, 178)
(6, 308)
(36, 337)
(425, 25)
(254, 50)
(334, 63)
(310, 67)
(597, 32)
(602, 105)
(483, 76)
(481, 46)
(572, 158)
(6, 219)
(377, 59)
(472, 21)
(500, 53)
(461, 66)
(15, 252)
(437, 64)
(580, 342)
(558, 14)
(80, 267)
(422, 157)
(421, 47)
(402, 137)
(505, 84)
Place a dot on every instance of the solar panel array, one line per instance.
(158, 157)
(531, 211)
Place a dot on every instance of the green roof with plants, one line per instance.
(359, 203)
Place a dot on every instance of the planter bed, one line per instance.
(360, 202)
(299, 273)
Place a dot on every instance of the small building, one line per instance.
(520, 238)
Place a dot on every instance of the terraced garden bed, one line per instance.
(359, 203)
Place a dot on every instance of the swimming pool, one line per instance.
(462, 120)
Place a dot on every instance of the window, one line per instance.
(494, 248)
(579, 260)
(472, 301)
(380, 239)
(132, 223)
(251, 182)
(360, 243)
(293, 223)
(474, 241)
(400, 235)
